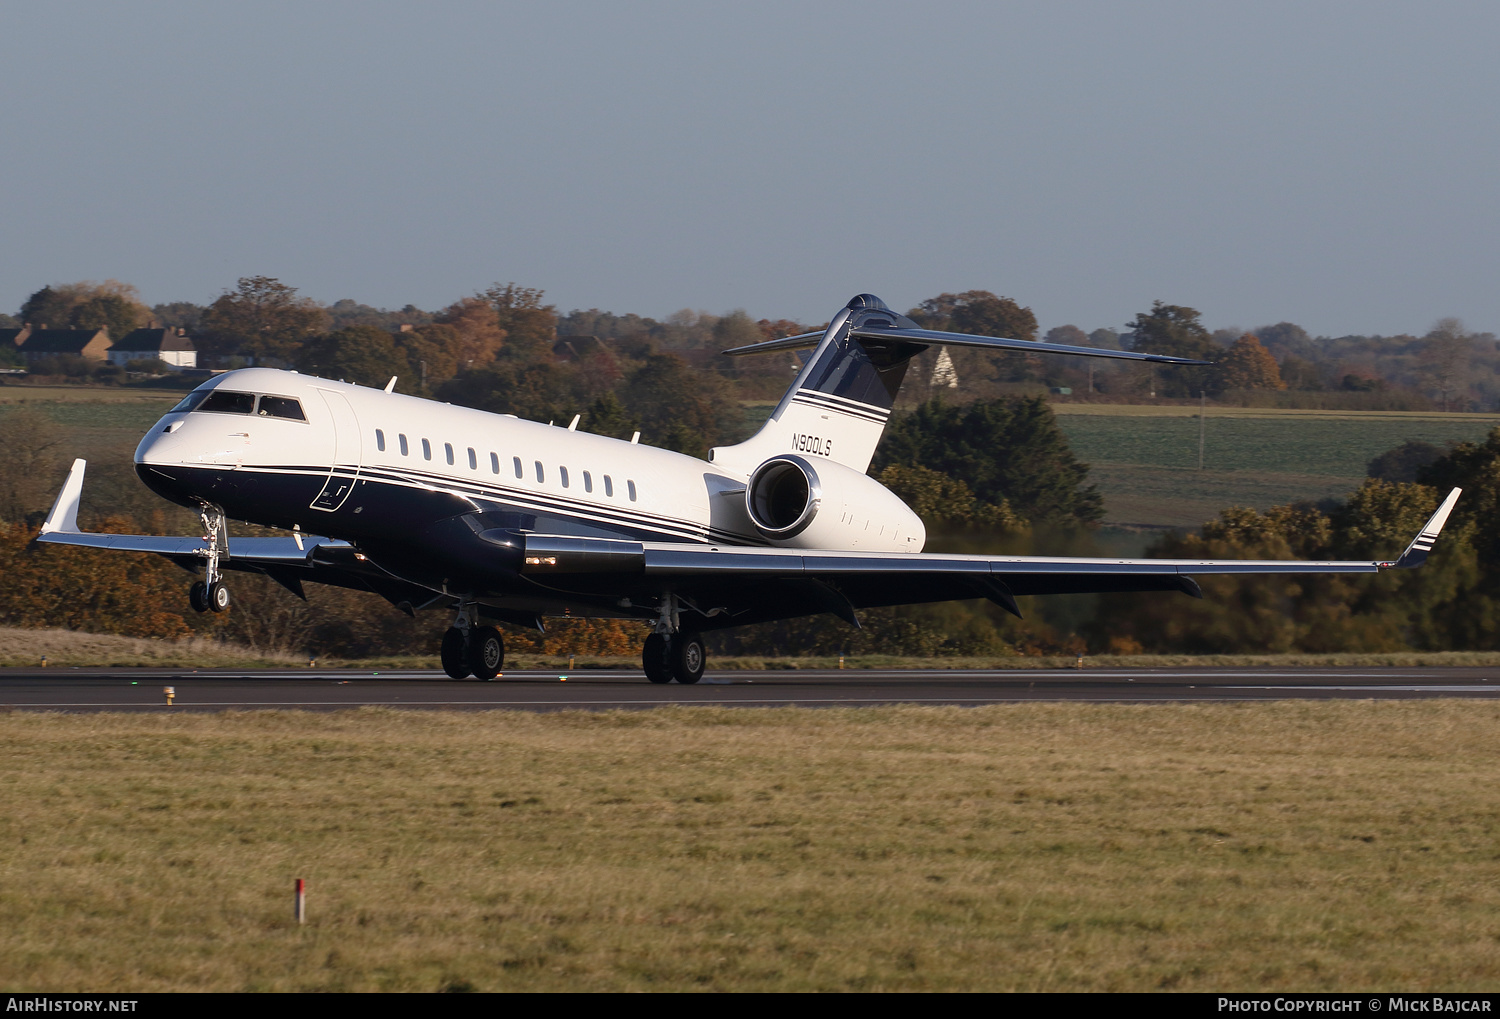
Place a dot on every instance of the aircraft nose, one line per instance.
(160, 444)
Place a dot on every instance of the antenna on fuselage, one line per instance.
(573, 425)
(635, 437)
(391, 385)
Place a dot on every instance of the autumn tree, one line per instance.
(111, 305)
(977, 312)
(534, 390)
(1174, 330)
(261, 317)
(32, 447)
(982, 313)
(364, 355)
(1405, 462)
(1445, 357)
(1248, 365)
(1007, 451)
(530, 326)
(475, 335)
(946, 503)
(1287, 339)
(679, 407)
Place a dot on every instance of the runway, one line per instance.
(86, 690)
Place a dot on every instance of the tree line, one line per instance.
(475, 347)
(506, 350)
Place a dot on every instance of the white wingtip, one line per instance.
(1416, 553)
(64, 515)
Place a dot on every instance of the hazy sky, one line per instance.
(1332, 164)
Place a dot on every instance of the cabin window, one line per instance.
(563, 473)
(448, 452)
(426, 450)
(609, 486)
(540, 474)
(280, 407)
(517, 461)
(588, 482)
(225, 402)
(494, 463)
(380, 440)
(473, 460)
(402, 440)
(631, 486)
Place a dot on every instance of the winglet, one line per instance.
(1416, 553)
(64, 515)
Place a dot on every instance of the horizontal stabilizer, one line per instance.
(1000, 343)
(801, 341)
(936, 338)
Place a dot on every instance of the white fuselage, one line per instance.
(357, 449)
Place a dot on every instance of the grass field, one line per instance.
(64, 649)
(1145, 459)
(1290, 846)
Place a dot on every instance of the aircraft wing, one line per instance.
(61, 528)
(733, 585)
(287, 560)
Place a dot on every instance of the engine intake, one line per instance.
(783, 496)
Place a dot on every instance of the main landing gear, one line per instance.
(210, 592)
(673, 651)
(472, 650)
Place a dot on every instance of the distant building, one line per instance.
(944, 375)
(170, 346)
(36, 344)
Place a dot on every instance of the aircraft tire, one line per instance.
(688, 656)
(455, 661)
(486, 652)
(198, 596)
(218, 596)
(655, 659)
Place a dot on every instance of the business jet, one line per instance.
(502, 520)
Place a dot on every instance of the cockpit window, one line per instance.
(280, 407)
(225, 402)
(190, 402)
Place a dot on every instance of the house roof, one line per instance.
(60, 341)
(144, 340)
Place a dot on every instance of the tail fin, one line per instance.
(839, 405)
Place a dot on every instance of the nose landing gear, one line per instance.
(210, 592)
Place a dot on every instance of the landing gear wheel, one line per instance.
(218, 596)
(198, 596)
(654, 659)
(687, 656)
(455, 661)
(486, 652)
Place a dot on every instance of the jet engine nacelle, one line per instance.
(795, 502)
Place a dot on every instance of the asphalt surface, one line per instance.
(65, 689)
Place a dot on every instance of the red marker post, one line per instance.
(301, 901)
